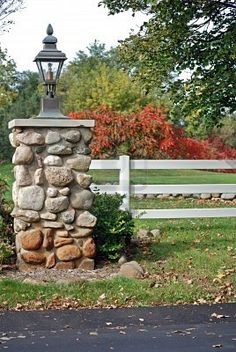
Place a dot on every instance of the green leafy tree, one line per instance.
(194, 35)
(24, 104)
(8, 7)
(96, 79)
(7, 79)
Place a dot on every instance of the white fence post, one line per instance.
(124, 180)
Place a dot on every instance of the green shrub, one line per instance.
(6, 226)
(114, 226)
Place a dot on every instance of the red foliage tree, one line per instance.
(148, 135)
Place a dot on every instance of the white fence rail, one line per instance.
(124, 164)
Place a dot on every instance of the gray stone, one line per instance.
(52, 137)
(15, 190)
(122, 260)
(187, 195)
(59, 149)
(30, 137)
(72, 136)
(84, 180)
(175, 195)
(227, 196)
(58, 176)
(13, 140)
(31, 198)
(139, 196)
(40, 149)
(86, 219)
(68, 216)
(48, 216)
(20, 225)
(86, 134)
(150, 196)
(81, 199)
(216, 195)
(205, 196)
(82, 232)
(39, 176)
(52, 192)
(53, 160)
(156, 233)
(131, 270)
(196, 195)
(26, 215)
(22, 175)
(23, 155)
(80, 163)
(65, 191)
(143, 234)
(69, 227)
(52, 224)
(82, 149)
(56, 205)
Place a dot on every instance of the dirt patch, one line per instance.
(60, 276)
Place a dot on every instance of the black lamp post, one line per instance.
(50, 62)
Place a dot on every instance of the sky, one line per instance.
(76, 24)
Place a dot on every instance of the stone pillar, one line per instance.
(51, 193)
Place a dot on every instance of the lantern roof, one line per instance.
(50, 51)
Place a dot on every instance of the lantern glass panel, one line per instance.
(50, 71)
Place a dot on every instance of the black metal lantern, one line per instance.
(49, 62)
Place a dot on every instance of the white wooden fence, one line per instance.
(125, 164)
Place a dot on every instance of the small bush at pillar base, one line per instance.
(114, 227)
(6, 227)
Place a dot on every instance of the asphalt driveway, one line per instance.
(177, 328)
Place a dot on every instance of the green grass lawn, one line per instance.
(147, 176)
(165, 176)
(195, 260)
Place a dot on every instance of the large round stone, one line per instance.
(30, 137)
(81, 199)
(58, 176)
(31, 257)
(52, 137)
(68, 216)
(22, 175)
(53, 160)
(84, 180)
(86, 134)
(69, 252)
(31, 239)
(59, 149)
(86, 219)
(23, 155)
(72, 136)
(31, 198)
(26, 215)
(80, 163)
(56, 205)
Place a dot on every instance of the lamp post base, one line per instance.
(50, 109)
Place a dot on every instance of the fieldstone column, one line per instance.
(51, 193)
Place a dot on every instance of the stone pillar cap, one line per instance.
(50, 123)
